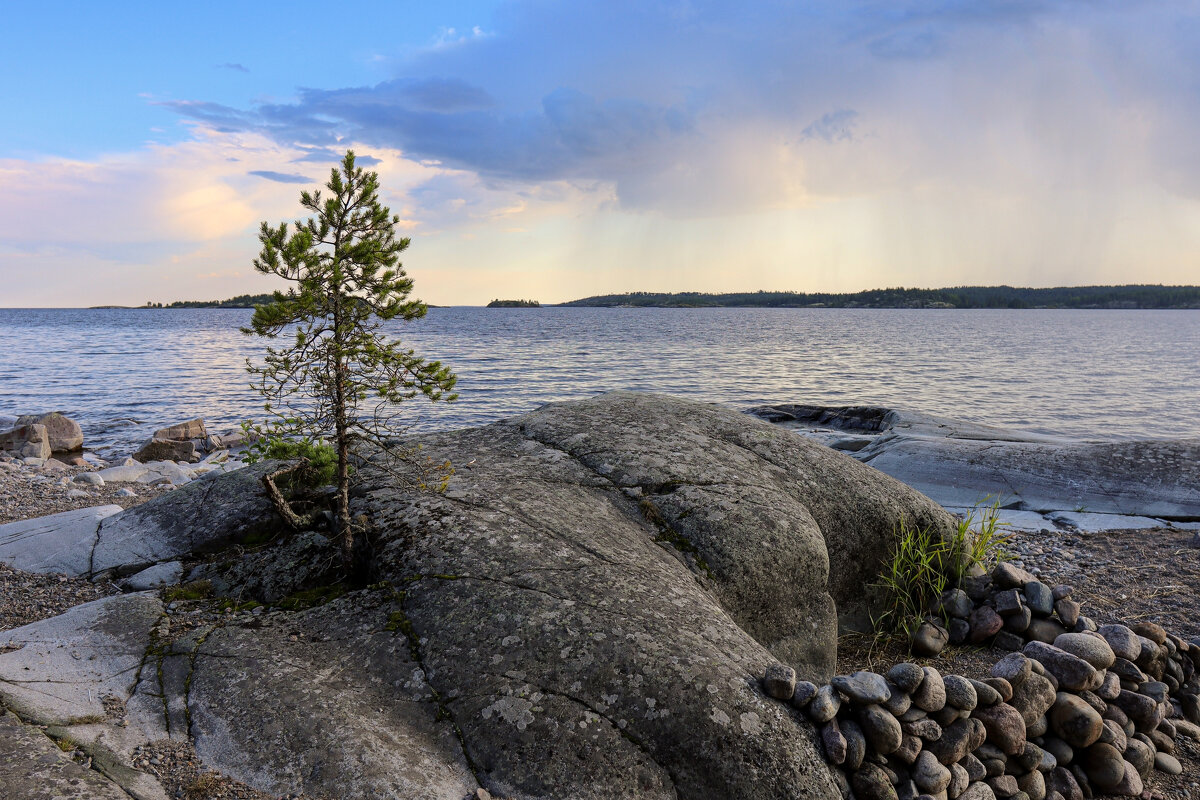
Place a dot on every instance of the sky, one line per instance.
(552, 149)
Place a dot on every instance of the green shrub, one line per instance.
(266, 443)
(923, 565)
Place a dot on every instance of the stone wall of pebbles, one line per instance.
(1075, 710)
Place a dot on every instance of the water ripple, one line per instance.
(1091, 374)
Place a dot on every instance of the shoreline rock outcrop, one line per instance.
(584, 612)
(1041, 481)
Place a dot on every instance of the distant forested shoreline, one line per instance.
(1108, 297)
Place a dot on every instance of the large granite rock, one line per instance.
(599, 589)
(63, 433)
(584, 613)
(960, 464)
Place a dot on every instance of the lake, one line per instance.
(1089, 374)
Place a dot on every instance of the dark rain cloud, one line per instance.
(638, 94)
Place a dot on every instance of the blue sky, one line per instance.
(556, 149)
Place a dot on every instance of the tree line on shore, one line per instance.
(1133, 296)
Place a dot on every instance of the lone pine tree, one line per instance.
(340, 379)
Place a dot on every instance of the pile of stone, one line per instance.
(1005, 609)
(1091, 712)
(38, 436)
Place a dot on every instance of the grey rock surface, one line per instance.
(168, 573)
(270, 573)
(960, 464)
(328, 702)
(33, 768)
(204, 516)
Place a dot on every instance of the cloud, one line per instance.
(233, 66)
(836, 126)
(279, 177)
(322, 155)
(651, 99)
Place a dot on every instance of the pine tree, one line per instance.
(341, 379)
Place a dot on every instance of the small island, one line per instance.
(514, 304)
(241, 301)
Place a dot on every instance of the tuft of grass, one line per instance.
(66, 744)
(923, 565)
(203, 787)
(912, 578)
(193, 590)
(309, 598)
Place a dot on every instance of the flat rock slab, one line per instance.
(1087, 521)
(33, 768)
(64, 666)
(56, 543)
(962, 464)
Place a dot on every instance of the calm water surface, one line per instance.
(1089, 374)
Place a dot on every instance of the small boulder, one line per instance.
(1014, 668)
(1044, 630)
(1068, 611)
(985, 623)
(1004, 726)
(1123, 641)
(1039, 598)
(930, 775)
(1165, 762)
(1074, 721)
(1104, 766)
(906, 676)
(824, 705)
(960, 693)
(62, 432)
(929, 639)
(27, 441)
(1092, 649)
(870, 782)
(956, 604)
(1072, 672)
(1033, 697)
(165, 450)
(780, 681)
(91, 478)
(881, 729)
(931, 694)
(192, 429)
(1010, 576)
(864, 688)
